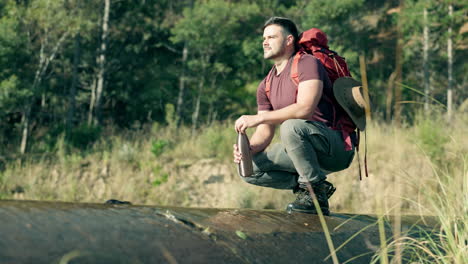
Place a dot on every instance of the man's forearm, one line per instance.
(261, 138)
(294, 111)
(308, 96)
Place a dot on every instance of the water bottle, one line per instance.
(245, 167)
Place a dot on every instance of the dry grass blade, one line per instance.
(326, 231)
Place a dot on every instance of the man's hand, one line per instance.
(237, 154)
(247, 121)
(260, 139)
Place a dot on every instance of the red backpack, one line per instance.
(314, 41)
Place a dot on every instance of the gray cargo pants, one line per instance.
(308, 152)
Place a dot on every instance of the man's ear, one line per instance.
(290, 40)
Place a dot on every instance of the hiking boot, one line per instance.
(329, 188)
(304, 202)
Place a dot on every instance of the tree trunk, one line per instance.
(389, 97)
(26, 119)
(101, 63)
(450, 65)
(427, 85)
(41, 69)
(91, 103)
(180, 97)
(25, 132)
(398, 66)
(196, 113)
(71, 98)
(365, 87)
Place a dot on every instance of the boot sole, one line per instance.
(290, 210)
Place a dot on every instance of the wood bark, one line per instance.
(196, 112)
(91, 103)
(450, 66)
(97, 119)
(365, 87)
(44, 62)
(389, 97)
(182, 79)
(212, 113)
(427, 85)
(398, 67)
(135, 234)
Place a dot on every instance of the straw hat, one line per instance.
(348, 93)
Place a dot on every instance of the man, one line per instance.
(309, 149)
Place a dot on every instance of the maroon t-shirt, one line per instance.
(283, 90)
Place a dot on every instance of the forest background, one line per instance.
(135, 100)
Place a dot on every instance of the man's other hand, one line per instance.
(237, 154)
(247, 121)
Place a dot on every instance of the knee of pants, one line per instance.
(252, 179)
(290, 128)
(257, 173)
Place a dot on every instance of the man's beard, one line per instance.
(271, 54)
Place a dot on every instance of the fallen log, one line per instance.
(58, 232)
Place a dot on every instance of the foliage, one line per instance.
(214, 50)
(43, 42)
(161, 176)
(84, 136)
(431, 134)
(158, 146)
(11, 93)
(216, 141)
(241, 234)
(45, 46)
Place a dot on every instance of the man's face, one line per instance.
(274, 42)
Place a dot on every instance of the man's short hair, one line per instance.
(286, 23)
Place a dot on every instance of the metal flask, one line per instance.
(245, 168)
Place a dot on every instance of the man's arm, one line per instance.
(259, 141)
(308, 97)
(262, 136)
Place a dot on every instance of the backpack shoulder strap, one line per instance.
(295, 79)
(294, 68)
(294, 73)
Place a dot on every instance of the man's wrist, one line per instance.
(261, 118)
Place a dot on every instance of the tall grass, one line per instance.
(441, 193)
(447, 201)
(418, 169)
(170, 166)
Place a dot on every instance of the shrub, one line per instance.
(84, 136)
(216, 141)
(431, 135)
(158, 146)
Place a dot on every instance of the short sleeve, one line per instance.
(308, 68)
(263, 103)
